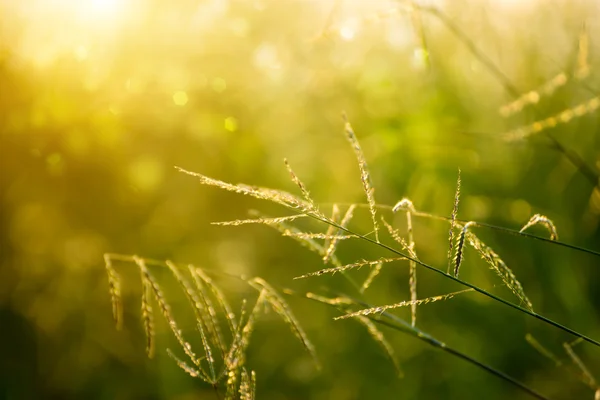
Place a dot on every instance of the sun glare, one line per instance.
(104, 6)
(57, 27)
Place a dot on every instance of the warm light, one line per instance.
(81, 53)
(231, 124)
(104, 6)
(180, 98)
(347, 33)
(79, 27)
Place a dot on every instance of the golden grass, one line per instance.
(381, 309)
(210, 305)
(365, 177)
(499, 266)
(453, 222)
(546, 222)
(331, 245)
(347, 267)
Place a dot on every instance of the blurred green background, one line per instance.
(100, 99)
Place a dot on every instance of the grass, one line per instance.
(225, 336)
(222, 363)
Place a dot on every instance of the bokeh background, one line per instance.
(99, 100)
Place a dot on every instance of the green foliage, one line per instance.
(99, 100)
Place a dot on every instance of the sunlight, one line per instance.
(104, 6)
(57, 27)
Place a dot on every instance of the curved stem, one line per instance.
(460, 281)
(509, 87)
(396, 323)
(489, 226)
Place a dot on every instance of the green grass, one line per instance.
(351, 305)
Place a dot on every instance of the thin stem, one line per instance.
(490, 226)
(216, 388)
(464, 283)
(570, 155)
(399, 324)
(393, 322)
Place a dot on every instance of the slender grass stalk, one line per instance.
(514, 232)
(589, 173)
(398, 324)
(291, 202)
(467, 284)
(453, 221)
(235, 359)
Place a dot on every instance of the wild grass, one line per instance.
(225, 336)
(576, 368)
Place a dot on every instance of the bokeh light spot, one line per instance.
(231, 124)
(420, 58)
(81, 53)
(218, 85)
(146, 173)
(180, 98)
(520, 210)
(55, 164)
(347, 33)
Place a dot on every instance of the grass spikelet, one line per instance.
(232, 379)
(203, 312)
(346, 267)
(534, 96)
(453, 221)
(381, 309)
(396, 236)
(377, 335)
(308, 235)
(248, 385)
(201, 279)
(581, 372)
(563, 117)
(336, 301)
(587, 376)
(407, 205)
(236, 358)
(114, 287)
(265, 221)
(372, 274)
(208, 351)
(460, 247)
(281, 307)
(190, 371)
(545, 222)
(500, 267)
(364, 173)
(149, 282)
(298, 182)
(330, 249)
(533, 342)
(147, 315)
(276, 196)
(331, 230)
(404, 204)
